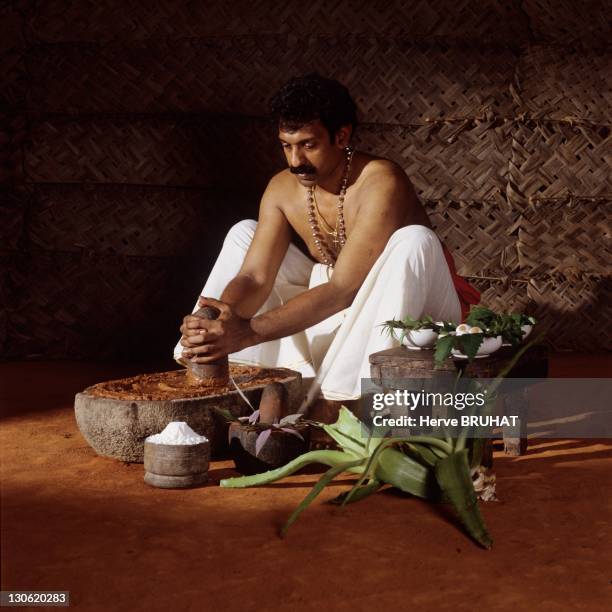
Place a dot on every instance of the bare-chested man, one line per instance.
(347, 207)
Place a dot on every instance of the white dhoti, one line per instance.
(411, 277)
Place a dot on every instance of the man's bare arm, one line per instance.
(251, 287)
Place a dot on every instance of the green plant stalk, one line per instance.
(453, 476)
(424, 453)
(321, 484)
(368, 472)
(393, 468)
(494, 386)
(405, 474)
(360, 493)
(330, 458)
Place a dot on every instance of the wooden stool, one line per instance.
(401, 363)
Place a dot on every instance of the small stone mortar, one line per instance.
(176, 466)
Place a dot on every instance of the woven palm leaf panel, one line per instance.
(13, 89)
(577, 310)
(14, 207)
(12, 50)
(503, 294)
(566, 21)
(565, 83)
(5, 298)
(481, 235)
(94, 305)
(138, 132)
(561, 180)
(557, 237)
(393, 81)
(103, 20)
(109, 220)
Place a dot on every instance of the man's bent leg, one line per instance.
(292, 279)
(411, 277)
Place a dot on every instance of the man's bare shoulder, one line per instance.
(378, 171)
(381, 167)
(282, 181)
(279, 189)
(383, 182)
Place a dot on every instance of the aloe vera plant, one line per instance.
(425, 466)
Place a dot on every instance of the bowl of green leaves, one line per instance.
(417, 334)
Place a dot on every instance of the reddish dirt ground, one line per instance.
(72, 520)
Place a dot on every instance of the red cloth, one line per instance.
(467, 294)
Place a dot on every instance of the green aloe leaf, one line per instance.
(326, 457)
(453, 476)
(321, 484)
(476, 451)
(359, 494)
(370, 467)
(423, 454)
(406, 474)
(348, 432)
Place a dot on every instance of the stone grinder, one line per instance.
(273, 403)
(116, 416)
(211, 374)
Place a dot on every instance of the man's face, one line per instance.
(310, 154)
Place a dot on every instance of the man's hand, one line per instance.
(209, 340)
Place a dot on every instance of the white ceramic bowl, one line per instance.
(423, 338)
(488, 346)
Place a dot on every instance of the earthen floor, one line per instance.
(72, 520)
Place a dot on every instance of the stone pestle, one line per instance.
(211, 374)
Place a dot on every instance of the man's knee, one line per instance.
(242, 233)
(413, 238)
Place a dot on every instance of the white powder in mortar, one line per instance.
(177, 432)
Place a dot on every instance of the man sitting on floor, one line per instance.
(373, 256)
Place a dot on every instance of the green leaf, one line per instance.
(347, 432)
(480, 314)
(321, 484)
(370, 467)
(406, 474)
(470, 343)
(476, 451)
(453, 476)
(409, 324)
(291, 419)
(423, 454)
(326, 457)
(359, 494)
(444, 346)
(226, 414)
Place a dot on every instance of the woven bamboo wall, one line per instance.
(134, 134)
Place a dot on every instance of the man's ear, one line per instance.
(343, 136)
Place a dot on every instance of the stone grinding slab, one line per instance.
(116, 416)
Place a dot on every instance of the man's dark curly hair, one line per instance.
(307, 98)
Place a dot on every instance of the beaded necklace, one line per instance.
(338, 234)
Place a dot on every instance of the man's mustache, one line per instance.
(304, 169)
